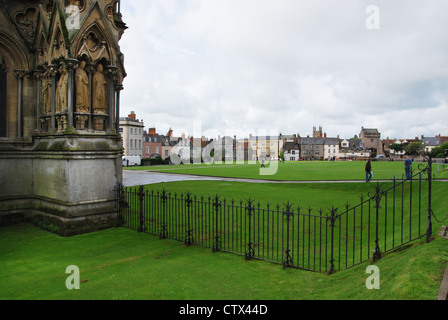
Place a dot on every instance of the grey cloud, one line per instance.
(289, 64)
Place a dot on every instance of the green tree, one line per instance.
(397, 147)
(414, 148)
(440, 152)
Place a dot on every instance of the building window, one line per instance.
(157, 150)
(147, 150)
(3, 95)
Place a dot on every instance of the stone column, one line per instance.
(90, 69)
(20, 74)
(118, 89)
(112, 73)
(71, 65)
(38, 75)
(53, 70)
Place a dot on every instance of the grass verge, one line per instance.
(125, 265)
(299, 171)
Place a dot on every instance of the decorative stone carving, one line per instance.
(59, 48)
(81, 121)
(26, 21)
(98, 123)
(48, 8)
(43, 52)
(94, 47)
(62, 122)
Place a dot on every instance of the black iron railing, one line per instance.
(393, 215)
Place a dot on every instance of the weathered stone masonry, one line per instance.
(60, 153)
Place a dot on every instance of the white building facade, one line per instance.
(331, 148)
(131, 130)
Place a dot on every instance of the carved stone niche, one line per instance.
(99, 88)
(94, 46)
(26, 21)
(82, 85)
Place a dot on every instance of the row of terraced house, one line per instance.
(368, 144)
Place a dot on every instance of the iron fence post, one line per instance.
(332, 218)
(287, 213)
(377, 197)
(429, 228)
(141, 198)
(164, 231)
(250, 252)
(217, 240)
(189, 232)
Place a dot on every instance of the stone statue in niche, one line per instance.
(46, 96)
(82, 89)
(99, 91)
(61, 91)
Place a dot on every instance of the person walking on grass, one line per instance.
(408, 168)
(369, 173)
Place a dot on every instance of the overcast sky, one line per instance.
(288, 65)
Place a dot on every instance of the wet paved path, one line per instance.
(133, 178)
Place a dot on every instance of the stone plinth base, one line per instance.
(63, 183)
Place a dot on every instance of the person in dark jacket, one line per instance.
(408, 168)
(369, 173)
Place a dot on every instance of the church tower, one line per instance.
(317, 133)
(61, 73)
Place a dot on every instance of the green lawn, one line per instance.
(354, 232)
(314, 195)
(299, 171)
(123, 264)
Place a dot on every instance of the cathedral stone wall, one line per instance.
(60, 150)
